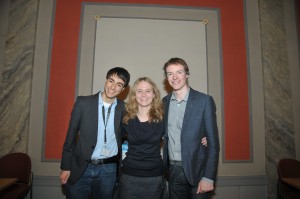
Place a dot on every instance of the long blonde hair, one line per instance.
(156, 110)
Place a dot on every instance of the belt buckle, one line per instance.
(104, 161)
(96, 161)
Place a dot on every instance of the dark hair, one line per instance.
(122, 73)
(177, 61)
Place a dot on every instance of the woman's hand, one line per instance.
(204, 141)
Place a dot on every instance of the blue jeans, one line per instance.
(179, 188)
(98, 181)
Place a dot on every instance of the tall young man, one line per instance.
(189, 116)
(90, 152)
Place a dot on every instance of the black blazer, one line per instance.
(81, 137)
(199, 121)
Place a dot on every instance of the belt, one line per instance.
(177, 163)
(113, 159)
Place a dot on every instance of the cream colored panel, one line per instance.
(142, 46)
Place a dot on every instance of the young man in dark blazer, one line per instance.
(189, 116)
(92, 145)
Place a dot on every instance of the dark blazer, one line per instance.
(81, 137)
(199, 121)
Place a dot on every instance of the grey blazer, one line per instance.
(199, 121)
(81, 137)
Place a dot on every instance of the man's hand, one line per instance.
(64, 176)
(205, 186)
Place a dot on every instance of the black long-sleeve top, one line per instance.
(143, 158)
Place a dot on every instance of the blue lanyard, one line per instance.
(105, 122)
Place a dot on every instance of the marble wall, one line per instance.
(279, 130)
(16, 75)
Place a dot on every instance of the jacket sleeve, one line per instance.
(211, 129)
(70, 141)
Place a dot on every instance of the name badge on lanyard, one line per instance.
(105, 151)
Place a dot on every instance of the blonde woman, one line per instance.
(142, 168)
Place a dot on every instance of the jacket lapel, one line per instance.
(166, 112)
(188, 110)
(118, 112)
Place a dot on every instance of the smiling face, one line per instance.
(177, 77)
(112, 88)
(144, 94)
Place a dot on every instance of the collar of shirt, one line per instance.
(173, 97)
(100, 102)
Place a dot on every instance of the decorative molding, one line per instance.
(97, 17)
(205, 21)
